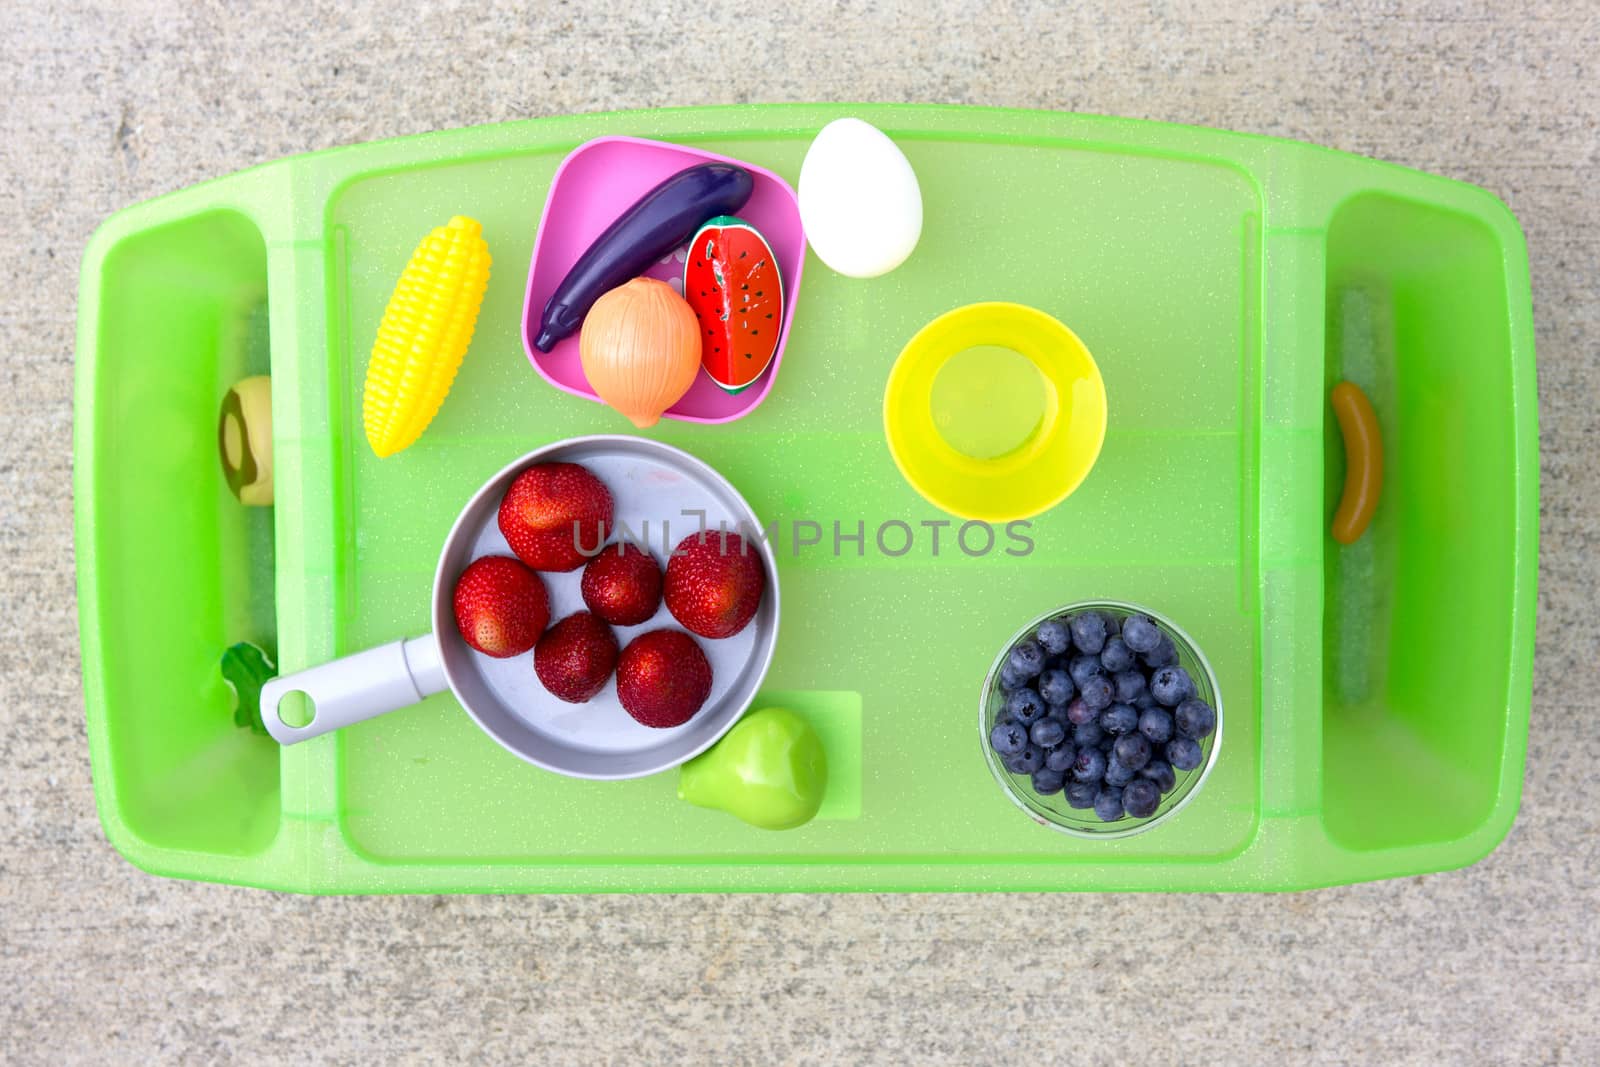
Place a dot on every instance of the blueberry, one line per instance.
(1079, 713)
(1165, 653)
(1156, 724)
(1141, 798)
(1171, 686)
(1132, 750)
(1089, 631)
(1119, 719)
(1010, 677)
(1183, 753)
(1024, 706)
(1082, 668)
(1159, 771)
(1054, 636)
(1047, 781)
(1108, 804)
(1008, 738)
(1027, 761)
(1116, 656)
(1055, 686)
(1118, 773)
(1060, 757)
(1130, 686)
(1027, 658)
(1145, 700)
(1113, 626)
(1081, 795)
(1140, 634)
(1195, 718)
(1047, 733)
(1098, 691)
(1089, 766)
(1087, 734)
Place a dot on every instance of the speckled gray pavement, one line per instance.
(105, 106)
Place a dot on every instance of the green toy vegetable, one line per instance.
(245, 669)
(770, 770)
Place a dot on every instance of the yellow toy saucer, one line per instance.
(1066, 410)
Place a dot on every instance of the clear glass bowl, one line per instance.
(1054, 811)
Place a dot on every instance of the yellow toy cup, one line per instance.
(959, 429)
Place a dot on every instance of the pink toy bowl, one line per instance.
(600, 180)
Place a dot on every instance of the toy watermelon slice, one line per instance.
(732, 283)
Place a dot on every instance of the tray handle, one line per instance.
(355, 688)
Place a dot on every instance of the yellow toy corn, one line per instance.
(424, 333)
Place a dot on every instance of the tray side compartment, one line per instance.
(173, 569)
(1421, 701)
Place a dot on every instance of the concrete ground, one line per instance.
(107, 105)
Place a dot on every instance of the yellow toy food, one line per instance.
(640, 348)
(424, 333)
(244, 437)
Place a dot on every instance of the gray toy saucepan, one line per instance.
(662, 494)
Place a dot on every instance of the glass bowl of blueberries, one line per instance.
(1101, 719)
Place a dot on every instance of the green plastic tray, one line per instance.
(1377, 696)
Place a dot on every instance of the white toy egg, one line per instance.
(859, 200)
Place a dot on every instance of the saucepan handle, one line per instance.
(356, 688)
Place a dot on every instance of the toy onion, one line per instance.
(640, 347)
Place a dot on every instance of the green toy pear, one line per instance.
(770, 770)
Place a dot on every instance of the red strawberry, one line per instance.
(663, 678)
(501, 607)
(622, 585)
(575, 657)
(552, 509)
(714, 583)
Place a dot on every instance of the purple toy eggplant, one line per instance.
(663, 219)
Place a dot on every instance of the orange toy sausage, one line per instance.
(1363, 452)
